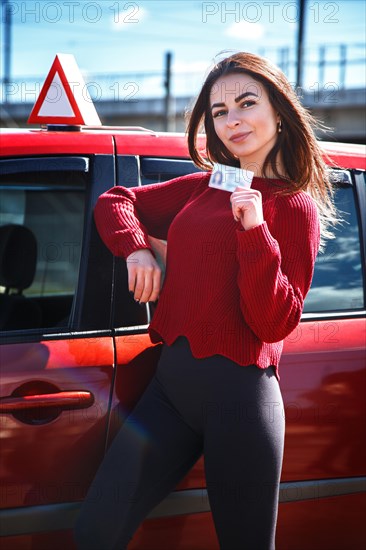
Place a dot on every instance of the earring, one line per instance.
(280, 126)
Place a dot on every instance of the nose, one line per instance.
(232, 119)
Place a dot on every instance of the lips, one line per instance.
(237, 138)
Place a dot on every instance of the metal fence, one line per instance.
(340, 66)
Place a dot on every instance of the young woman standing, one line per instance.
(238, 269)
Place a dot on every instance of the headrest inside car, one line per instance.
(18, 257)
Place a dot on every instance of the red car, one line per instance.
(76, 355)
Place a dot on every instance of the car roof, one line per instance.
(137, 141)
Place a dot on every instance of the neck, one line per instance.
(257, 167)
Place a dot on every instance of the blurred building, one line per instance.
(333, 90)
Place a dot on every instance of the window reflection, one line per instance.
(337, 283)
(41, 225)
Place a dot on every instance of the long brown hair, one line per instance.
(301, 155)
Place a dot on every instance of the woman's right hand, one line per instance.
(144, 276)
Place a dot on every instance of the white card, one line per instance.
(228, 178)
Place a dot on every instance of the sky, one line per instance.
(110, 36)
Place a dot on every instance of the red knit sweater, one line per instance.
(229, 291)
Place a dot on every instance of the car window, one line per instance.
(41, 226)
(154, 170)
(338, 279)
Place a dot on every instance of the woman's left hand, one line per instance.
(247, 208)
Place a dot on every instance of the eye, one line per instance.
(247, 103)
(218, 113)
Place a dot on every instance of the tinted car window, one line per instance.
(338, 281)
(44, 213)
(156, 170)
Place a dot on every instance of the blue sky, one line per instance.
(110, 36)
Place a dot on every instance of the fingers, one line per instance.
(144, 276)
(147, 284)
(246, 207)
(244, 201)
(250, 194)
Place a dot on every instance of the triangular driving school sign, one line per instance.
(64, 97)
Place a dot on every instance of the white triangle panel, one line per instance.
(56, 102)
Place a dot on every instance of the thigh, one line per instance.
(154, 449)
(243, 450)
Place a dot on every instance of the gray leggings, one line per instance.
(231, 414)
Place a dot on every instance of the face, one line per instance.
(244, 119)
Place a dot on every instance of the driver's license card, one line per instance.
(228, 178)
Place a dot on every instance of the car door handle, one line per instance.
(61, 400)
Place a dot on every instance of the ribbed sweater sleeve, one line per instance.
(276, 267)
(126, 216)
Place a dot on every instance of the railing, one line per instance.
(342, 66)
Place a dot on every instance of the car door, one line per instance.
(323, 381)
(57, 355)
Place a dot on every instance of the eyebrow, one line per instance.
(237, 99)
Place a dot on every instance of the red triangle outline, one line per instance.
(35, 118)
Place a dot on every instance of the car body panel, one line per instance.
(51, 455)
(151, 143)
(43, 142)
(48, 462)
(174, 145)
(322, 371)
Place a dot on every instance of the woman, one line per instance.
(238, 269)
